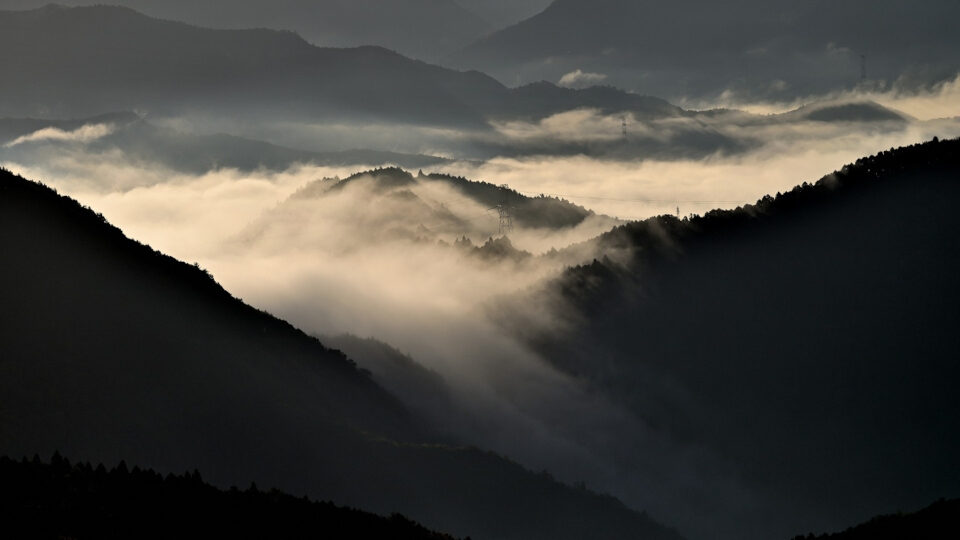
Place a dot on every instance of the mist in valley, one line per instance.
(451, 232)
(417, 261)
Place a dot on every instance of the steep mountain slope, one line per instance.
(421, 389)
(809, 341)
(424, 29)
(60, 500)
(697, 47)
(23, 141)
(113, 351)
(75, 62)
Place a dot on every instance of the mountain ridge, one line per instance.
(751, 48)
(169, 69)
(424, 29)
(796, 313)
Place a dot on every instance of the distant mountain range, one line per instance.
(809, 339)
(76, 62)
(424, 29)
(114, 351)
(776, 49)
(661, 132)
(267, 85)
(23, 141)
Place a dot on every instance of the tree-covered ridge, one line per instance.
(935, 522)
(78, 501)
(808, 339)
(534, 212)
(539, 211)
(666, 235)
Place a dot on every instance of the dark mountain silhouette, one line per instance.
(863, 112)
(763, 48)
(64, 500)
(809, 340)
(935, 522)
(150, 145)
(426, 29)
(75, 62)
(113, 351)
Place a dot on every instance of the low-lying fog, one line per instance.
(379, 263)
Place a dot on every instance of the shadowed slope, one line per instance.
(112, 351)
(808, 340)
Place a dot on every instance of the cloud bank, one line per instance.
(383, 263)
(581, 79)
(83, 134)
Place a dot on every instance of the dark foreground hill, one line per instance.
(935, 522)
(64, 500)
(808, 341)
(110, 350)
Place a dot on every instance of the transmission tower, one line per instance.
(506, 218)
(623, 126)
(863, 68)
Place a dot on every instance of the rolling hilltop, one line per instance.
(399, 205)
